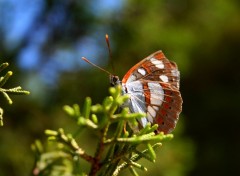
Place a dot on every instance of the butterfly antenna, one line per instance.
(109, 52)
(86, 60)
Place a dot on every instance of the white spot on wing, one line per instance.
(175, 72)
(156, 100)
(164, 78)
(157, 63)
(132, 78)
(156, 108)
(149, 117)
(151, 111)
(142, 71)
(156, 93)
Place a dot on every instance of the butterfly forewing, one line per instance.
(155, 67)
(153, 86)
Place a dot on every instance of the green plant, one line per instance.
(5, 91)
(115, 151)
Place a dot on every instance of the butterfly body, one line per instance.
(153, 87)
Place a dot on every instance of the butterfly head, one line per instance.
(114, 80)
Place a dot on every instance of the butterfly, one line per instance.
(153, 88)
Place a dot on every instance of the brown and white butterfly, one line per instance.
(153, 87)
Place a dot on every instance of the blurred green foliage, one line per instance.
(203, 37)
(115, 151)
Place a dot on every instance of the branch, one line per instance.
(5, 92)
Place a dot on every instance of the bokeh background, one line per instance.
(44, 41)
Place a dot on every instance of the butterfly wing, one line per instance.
(153, 86)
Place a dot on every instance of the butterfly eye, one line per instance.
(114, 80)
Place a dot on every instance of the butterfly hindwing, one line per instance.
(166, 113)
(161, 103)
